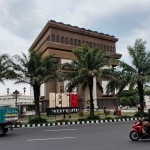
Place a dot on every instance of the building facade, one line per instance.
(24, 103)
(59, 39)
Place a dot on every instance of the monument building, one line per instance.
(59, 39)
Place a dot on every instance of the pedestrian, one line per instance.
(104, 109)
(115, 110)
(139, 107)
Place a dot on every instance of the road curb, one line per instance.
(76, 122)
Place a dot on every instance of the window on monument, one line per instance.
(98, 46)
(107, 48)
(75, 42)
(71, 41)
(90, 44)
(53, 38)
(101, 48)
(62, 40)
(58, 39)
(79, 42)
(111, 49)
(104, 47)
(67, 40)
(94, 45)
(114, 49)
(87, 43)
(83, 42)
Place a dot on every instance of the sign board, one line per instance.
(61, 110)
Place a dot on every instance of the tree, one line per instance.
(87, 66)
(129, 97)
(6, 70)
(137, 74)
(35, 69)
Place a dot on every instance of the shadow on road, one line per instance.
(7, 135)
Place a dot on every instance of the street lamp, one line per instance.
(16, 93)
(69, 105)
(7, 91)
(61, 90)
(68, 94)
(24, 90)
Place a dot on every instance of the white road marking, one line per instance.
(30, 127)
(62, 130)
(62, 138)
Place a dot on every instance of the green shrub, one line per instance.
(95, 117)
(139, 114)
(126, 116)
(82, 119)
(37, 120)
(62, 120)
(145, 114)
(108, 118)
(17, 123)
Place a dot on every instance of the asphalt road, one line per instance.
(103, 136)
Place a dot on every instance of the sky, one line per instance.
(22, 20)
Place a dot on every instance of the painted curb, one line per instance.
(77, 122)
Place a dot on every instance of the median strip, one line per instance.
(77, 122)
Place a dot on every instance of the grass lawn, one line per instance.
(76, 116)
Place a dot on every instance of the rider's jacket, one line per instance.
(147, 119)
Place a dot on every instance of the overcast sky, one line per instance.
(22, 20)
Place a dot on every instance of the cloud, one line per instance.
(16, 16)
(140, 33)
(13, 87)
(22, 20)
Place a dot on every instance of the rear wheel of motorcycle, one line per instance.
(134, 136)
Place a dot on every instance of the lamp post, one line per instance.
(16, 93)
(61, 90)
(69, 105)
(7, 91)
(77, 94)
(24, 90)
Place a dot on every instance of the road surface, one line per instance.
(102, 136)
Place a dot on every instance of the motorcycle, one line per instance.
(137, 132)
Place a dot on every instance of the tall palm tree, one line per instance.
(35, 69)
(137, 74)
(6, 70)
(85, 68)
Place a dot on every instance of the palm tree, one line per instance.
(35, 69)
(137, 74)
(84, 69)
(119, 79)
(6, 70)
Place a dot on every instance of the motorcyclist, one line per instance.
(146, 123)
